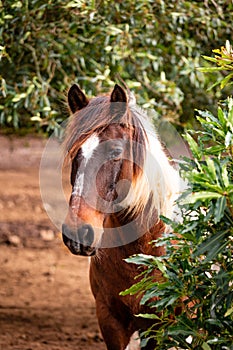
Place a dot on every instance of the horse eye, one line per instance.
(115, 153)
(78, 155)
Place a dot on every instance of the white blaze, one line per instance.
(89, 146)
(87, 150)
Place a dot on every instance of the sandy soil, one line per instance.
(45, 299)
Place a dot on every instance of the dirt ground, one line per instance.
(45, 298)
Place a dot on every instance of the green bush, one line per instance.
(153, 45)
(198, 269)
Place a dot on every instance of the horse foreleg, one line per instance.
(115, 335)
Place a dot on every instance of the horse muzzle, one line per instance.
(79, 242)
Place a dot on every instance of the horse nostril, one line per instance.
(86, 235)
(67, 234)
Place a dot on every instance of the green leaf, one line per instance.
(36, 118)
(213, 85)
(19, 97)
(229, 312)
(211, 59)
(8, 17)
(207, 115)
(211, 168)
(225, 81)
(193, 146)
(201, 196)
(137, 287)
(228, 139)
(216, 149)
(141, 259)
(200, 180)
(214, 322)
(166, 220)
(210, 69)
(211, 245)
(166, 301)
(217, 249)
(174, 330)
(222, 117)
(150, 316)
(161, 267)
(205, 346)
(225, 175)
(230, 115)
(220, 208)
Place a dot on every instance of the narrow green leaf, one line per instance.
(150, 316)
(229, 312)
(219, 131)
(180, 330)
(164, 302)
(205, 346)
(161, 267)
(144, 284)
(212, 254)
(214, 322)
(225, 81)
(211, 59)
(220, 208)
(228, 139)
(193, 146)
(19, 97)
(214, 149)
(225, 175)
(221, 116)
(201, 196)
(211, 168)
(213, 85)
(230, 114)
(202, 181)
(211, 244)
(166, 220)
(211, 69)
(140, 259)
(210, 119)
(201, 120)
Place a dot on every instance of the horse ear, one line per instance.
(118, 94)
(76, 98)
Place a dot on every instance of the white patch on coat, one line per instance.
(89, 146)
(78, 185)
(87, 150)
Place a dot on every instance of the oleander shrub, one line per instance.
(198, 269)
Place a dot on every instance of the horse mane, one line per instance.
(158, 183)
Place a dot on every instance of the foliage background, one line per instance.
(155, 46)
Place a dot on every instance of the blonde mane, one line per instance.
(159, 182)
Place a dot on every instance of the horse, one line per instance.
(122, 182)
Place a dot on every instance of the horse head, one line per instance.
(101, 151)
(119, 172)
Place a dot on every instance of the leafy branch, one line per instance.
(198, 274)
(224, 61)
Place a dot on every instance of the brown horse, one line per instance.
(121, 182)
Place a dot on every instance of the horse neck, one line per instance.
(144, 242)
(128, 238)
